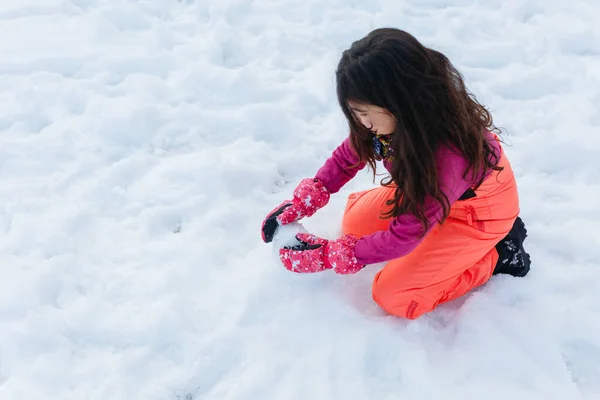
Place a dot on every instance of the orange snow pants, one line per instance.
(452, 259)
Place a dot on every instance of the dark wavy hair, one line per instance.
(420, 87)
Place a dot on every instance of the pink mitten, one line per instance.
(315, 254)
(309, 196)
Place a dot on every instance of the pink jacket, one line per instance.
(404, 231)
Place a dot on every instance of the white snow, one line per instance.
(143, 142)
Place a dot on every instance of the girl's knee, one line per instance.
(362, 213)
(393, 302)
(404, 304)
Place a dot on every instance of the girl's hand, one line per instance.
(313, 254)
(309, 196)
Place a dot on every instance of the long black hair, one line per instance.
(426, 95)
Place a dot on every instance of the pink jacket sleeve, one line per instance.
(403, 233)
(337, 170)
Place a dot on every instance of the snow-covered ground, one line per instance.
(143, 142)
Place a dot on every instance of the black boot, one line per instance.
(513, 259)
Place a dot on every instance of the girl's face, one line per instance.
(378, 120)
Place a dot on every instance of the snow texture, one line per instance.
(142, 143)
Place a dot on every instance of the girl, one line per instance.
(446, 218)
